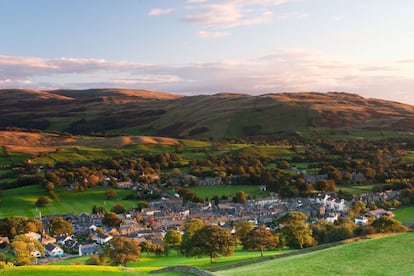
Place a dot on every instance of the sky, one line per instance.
(209, 46)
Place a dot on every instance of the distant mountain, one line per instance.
(220, 115)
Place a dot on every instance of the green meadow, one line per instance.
(11, 158)
(142, 267)
(356, 189)
(390, 255)
(405, 214)
(21, 201)
(227, 190)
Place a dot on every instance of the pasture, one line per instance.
(405, 214)
(356, 189)
(383, 256)
(227, 190)
(21, 201)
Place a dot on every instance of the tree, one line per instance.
(190, 227)
(212, 240)
(260, 238)
(23, 246)
(110, 194)
(13, 226)
(241, 197)
(111, 219)
(124, 250)
(356, 209)
(388, 225)
(295, 231)
(325, 185)
(146, 246)
(59, 226)
(42, 201)
(118, 208)
(173, 238)
(243, 228)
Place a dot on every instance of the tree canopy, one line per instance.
(212, 240)
(59, 226)
(260, 238)
(124, 250)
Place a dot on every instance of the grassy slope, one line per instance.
(21, 201)
(143, 266)
(405, 214)
(386, 256)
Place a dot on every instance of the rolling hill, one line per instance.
(139, 112)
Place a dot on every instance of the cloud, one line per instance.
(290, 70)
(158, 11)
(234, 13)
(206, 34)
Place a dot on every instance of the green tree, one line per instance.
(212, 240)
(173, 238)
(190, 227)
(295, 231)
(124, 250)
(23, 246)
(260, 238)
(59, 226)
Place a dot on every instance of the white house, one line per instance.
(361, 220)
(53, 250)
(103, 238)
(332, 218)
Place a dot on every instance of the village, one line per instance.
(171, 212)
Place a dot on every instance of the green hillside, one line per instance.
(390, 255)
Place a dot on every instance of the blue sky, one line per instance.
(210, 46)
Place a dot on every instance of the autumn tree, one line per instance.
(110, 194)
(111, 219)
(295, 231)
(356, 209)
(23, 246)
(241, 197)
(243, 228)
(13, 226)
(118, 208)
(388, 225)
(124, 250)
(42, 201)
(59, 226)
(260, 238)
(212, 240)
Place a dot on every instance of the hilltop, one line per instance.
(139, 112)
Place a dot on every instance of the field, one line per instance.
(143, 266)
(21, 201)
(384, 256)
(226, 190)
(364, 257)
(356, 189)
(405, 214)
